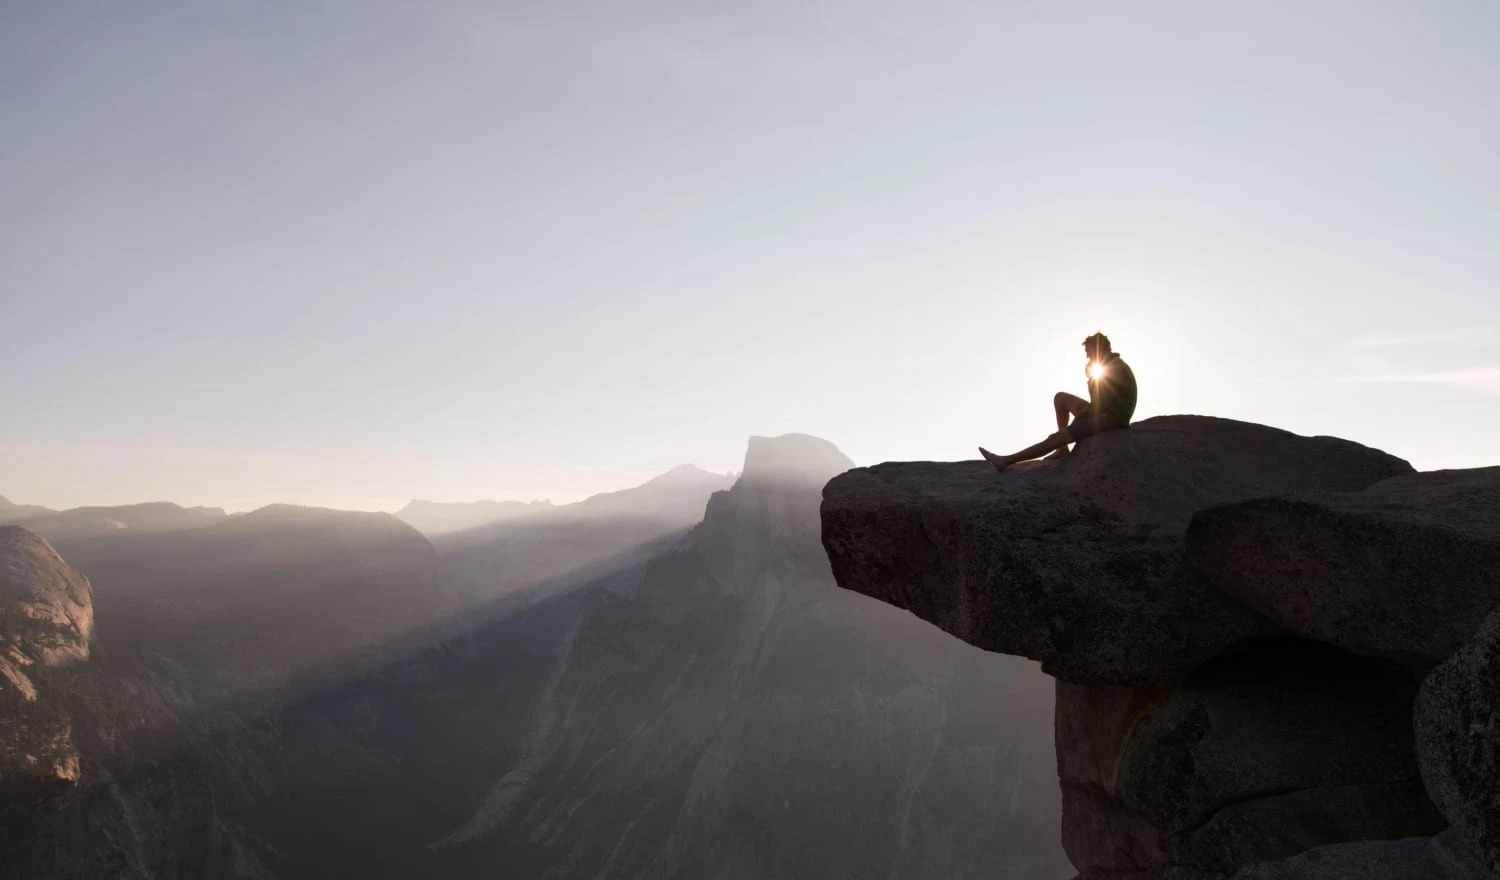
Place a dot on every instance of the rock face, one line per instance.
(51, 602)
(46, 622)
(1238, 618)
(1415, 858)
(1077, 563)
(1406, 569)
(1262, 753)
(1458, 741)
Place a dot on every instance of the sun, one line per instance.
(1096, 370)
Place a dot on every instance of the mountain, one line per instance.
(203, 639)
(262, 599)
(517, 560)
(444, 517)
(706, 705)
(12, 512)
(156, 516)
(673, 497)
(731, 714)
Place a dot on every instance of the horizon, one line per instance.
(350, 256)
(393, 506)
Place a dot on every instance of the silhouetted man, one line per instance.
(1110, 405)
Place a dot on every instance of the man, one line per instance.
(1110, 405)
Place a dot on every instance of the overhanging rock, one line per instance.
(1079, 563)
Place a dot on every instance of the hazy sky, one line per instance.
(348, 253)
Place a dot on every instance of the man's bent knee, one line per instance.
(1068, 402)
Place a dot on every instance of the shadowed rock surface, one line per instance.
(1414, 858)
(1263, 753)
(1406, 569)
(1076, 563)
(1458, 741)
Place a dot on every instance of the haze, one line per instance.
(354, 253)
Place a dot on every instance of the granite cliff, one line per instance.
(1239, 620)
(46, 622)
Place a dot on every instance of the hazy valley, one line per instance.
(658, 682)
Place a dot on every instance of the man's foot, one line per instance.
(999, 461)
(1060, 453)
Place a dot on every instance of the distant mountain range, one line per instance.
(659, 682)
(516, 559)
(155, 516)
(442, 517)
(10, 511)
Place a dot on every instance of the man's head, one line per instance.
(1096, 347)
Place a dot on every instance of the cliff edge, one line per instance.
(1238, 618)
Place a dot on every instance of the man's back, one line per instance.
(1112, 392)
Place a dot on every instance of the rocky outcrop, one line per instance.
(46, 622)
(1077, 563)
(1406, 569)
(48, 606)
(1238, 618)
(1458, 741)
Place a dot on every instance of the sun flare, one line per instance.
(1096, 370)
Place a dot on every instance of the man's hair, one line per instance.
(1099, 342)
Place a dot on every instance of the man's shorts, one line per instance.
(1086, 424)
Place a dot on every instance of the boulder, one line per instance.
(1076, 563)
(1458, 741)
(1414, 858)
(1405, 569)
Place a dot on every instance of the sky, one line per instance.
(351, 253)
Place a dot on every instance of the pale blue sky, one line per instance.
(349, 253)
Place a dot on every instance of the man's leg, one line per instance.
(1060, 440)
(1065, 405)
